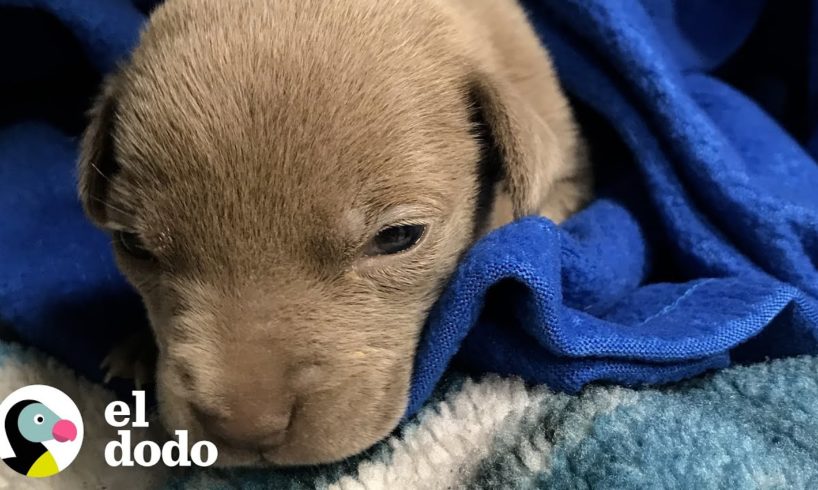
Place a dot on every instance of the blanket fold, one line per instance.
(736, 204)
(700, 251)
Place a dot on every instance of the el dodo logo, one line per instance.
(148, 453)
(41, 431)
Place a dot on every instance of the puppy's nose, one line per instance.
(254, 403)
(245, 427)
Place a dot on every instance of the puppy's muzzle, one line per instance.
(254, 404)
(250, 428)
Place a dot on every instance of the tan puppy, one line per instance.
(289, 185)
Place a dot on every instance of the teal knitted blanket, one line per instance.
(745, 427)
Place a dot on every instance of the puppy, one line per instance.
(290, 183)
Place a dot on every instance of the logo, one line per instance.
(148, 453)
(41, 431)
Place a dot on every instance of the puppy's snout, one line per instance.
(250, 427)
(253, 401)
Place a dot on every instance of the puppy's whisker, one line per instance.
(100, 172)
(111, 206)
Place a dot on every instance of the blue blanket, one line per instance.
(700, 251)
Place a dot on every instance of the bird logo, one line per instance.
(43, 431)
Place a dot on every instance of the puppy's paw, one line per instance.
(134, 358)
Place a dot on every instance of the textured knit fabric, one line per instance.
(747, 427)
(700, 250)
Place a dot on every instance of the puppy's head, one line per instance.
(290, 205)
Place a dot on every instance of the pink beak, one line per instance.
(64, 430)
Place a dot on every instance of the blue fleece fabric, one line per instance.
(700, 251)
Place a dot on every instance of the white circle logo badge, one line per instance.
(40, 431)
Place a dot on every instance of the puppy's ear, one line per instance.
(97, 164)
(530, 154)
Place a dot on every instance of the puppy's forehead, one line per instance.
(235, 135)
(284, 158)
(281, 184)
(287, 83)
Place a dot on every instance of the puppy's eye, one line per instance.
(395, 239)
(132, 245)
